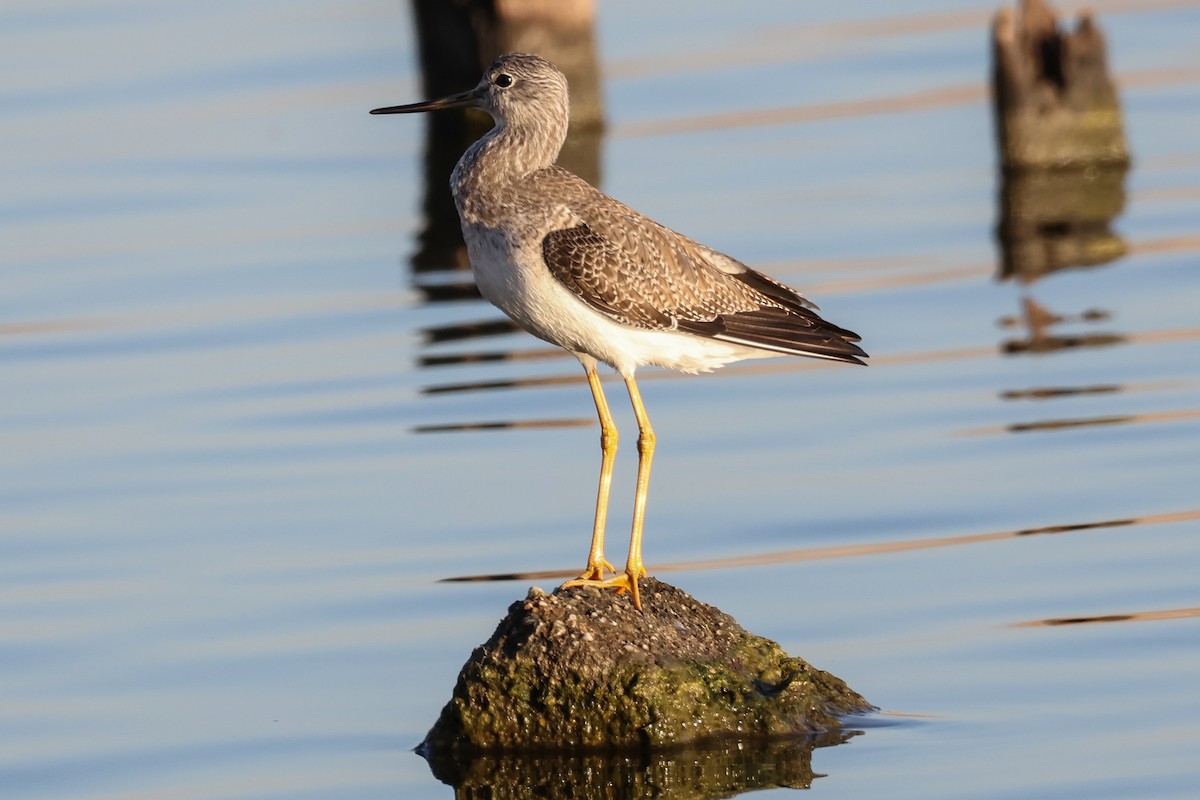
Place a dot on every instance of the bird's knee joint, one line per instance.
(609, 438)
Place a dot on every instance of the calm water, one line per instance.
(241, 444)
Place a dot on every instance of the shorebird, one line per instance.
(581, 270)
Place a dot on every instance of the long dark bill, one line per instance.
(453, 101)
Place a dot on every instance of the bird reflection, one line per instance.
(1039, 324)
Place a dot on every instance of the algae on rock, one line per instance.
(583, 670)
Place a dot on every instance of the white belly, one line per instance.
(516, 281)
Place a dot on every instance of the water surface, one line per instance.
(242, 443)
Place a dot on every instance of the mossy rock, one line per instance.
(583, 670)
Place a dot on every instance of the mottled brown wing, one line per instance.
(601, 274)
(651, 278)
(653, 285)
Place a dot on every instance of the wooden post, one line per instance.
(1056, 106)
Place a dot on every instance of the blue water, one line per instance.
(222, 523)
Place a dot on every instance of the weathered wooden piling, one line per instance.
(1056, 106)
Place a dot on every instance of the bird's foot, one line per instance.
(626, 581)
(596, 570)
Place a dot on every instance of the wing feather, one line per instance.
(639, 273)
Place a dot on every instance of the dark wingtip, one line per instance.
(856, 350)
(849, 355)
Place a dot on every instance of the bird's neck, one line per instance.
(506, 155)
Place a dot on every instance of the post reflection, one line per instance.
(721, 770)
(1052, 221)
(456, 42)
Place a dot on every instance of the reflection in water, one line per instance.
(1051, 221)
(1055, 220)
(1084, 422)
(818, 38)
(504, 425)
(1136, 616)
(1059, 424)
(1063, 158)
(960, 94)
(920, 100)
(469, 330)
(1044, 343)
(492, 356)
(41, 327)
(514, 383)
(1048, 392)
(720, 770)
(856, 550)
(1038, 321)
(447, 292)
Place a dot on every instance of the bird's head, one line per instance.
(520, 91)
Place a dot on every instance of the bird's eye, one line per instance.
(503, 80)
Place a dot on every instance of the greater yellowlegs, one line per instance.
(575, 267)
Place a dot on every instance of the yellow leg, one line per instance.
(634, 568)
(596, 564)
